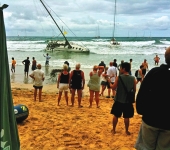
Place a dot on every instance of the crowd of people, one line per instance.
(155, 128)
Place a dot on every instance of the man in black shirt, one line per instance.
(102, 64)
(26, 62)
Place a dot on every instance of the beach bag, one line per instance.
(136, 73)
(130, 97)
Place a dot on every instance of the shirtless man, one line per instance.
(145, 66)
(156, 59)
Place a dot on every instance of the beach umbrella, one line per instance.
(9, 138)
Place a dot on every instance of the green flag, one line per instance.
(8, 128)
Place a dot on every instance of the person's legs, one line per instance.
(115, 121)
(97, 98)
(59, 97)
(35, 94)
(91, 98)
(12, 69)
(27, 73)
(66, 97)
(108, 93)
(40, 93)
(117, 112)
(79, 93)
(72, 96)
(113, 93)
(102, 90)
(126, 121)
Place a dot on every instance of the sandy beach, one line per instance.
(49, 126)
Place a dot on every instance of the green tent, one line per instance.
(8, 127)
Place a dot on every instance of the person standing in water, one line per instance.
(156, 59)
(34, 63)
(13, 65)
(47, 59)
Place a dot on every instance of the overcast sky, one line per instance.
(83, 17)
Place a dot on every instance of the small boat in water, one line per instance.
(65, 45)
(113, 40)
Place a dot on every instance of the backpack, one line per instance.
(136, 73)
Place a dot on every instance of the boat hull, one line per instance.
(60, 46)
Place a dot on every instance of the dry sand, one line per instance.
(52, 127)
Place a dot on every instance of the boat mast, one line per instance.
(114, 20)
(67, 43)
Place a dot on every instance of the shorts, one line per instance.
(152, 138)
(76, 86)
(37, 87)
(26, 69)
(125, 108)
(63, 87)
(105, 83)
(139, 79)
(47, 63)
(13, 67)
(34, 67)
(143, 71)
(108, 85)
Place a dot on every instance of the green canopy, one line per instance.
(8, 127)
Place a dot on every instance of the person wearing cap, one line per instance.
(145, 66)
(38, 78)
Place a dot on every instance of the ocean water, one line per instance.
(137, 48)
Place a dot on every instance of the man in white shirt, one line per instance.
(112, 73)
(47, 59)
(38, 77)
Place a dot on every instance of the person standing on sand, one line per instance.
(94, 84)
(130, 71)
(112, 73)
(47, 59)
(140, 75)
(38, 77)
(145, 66)
(121, 105)
(76, 82)
(115, 63)
(26, 62)
(104, 82)
(34, 63)
(156, 59)
(13, 65)
(152, 102)
(118, 67)
(62, 83)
